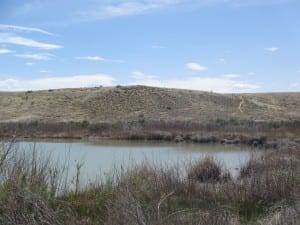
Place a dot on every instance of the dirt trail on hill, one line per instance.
(241, 104)
(141, 103)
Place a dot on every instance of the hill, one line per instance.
(128, 103)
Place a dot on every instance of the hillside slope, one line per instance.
(131, 102)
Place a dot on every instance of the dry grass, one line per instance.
(98, 105)
(206, 170)
(266, 192)
(29, 185)
(139, 112)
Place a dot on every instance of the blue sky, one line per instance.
(211, 45)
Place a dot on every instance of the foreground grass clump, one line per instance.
(266, 191)
(205, 170)
(28, 188)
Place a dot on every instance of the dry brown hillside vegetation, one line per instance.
(128, 103)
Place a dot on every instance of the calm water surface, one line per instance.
(99, 158)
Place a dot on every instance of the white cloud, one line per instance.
(35, 56)
(21, 28)
(272, 49)
(99, 58)
(98, 10)
(217, 84)
(141, 76)
(29, 63)
(195, 66)
(294, 85)
(130, 8)
(44, 71)
(18, 40)
(76, 81)
(91, 58)
(213, 84)
(231, 76)
(249, 3)
(144, 79)
(125, 8)
(5, 51)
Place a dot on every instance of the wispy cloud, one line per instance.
(249, 3)
(272, 49)
(45, 71)
(217, 84)
(231, 76)
(35, 56)
(294, 86)
(91, 58)
(18, 40)
(251, 73)
(110, 9)
(130, 8)
(5, 51)
(76, 81)
(195, 66)
(125, 8)
(29, 63)
(21, 28)
(99, 58)
(137, 75)
(214, 84)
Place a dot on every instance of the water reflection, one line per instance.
(102, 157)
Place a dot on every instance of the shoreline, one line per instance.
(261, 135)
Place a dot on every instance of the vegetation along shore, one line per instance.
(148, 113)
(265, 191)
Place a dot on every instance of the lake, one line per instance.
(103, 157)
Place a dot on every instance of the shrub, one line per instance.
(205, 170)
(84, 123)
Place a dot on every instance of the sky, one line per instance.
(225, 46)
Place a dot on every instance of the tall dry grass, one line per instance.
(29, 186)
(266, 191)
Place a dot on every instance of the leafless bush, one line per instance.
(200, 217)
(24, 207)
(285, 215)
(126, 210)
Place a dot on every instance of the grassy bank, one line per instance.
(266, 191)
(232, 131)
